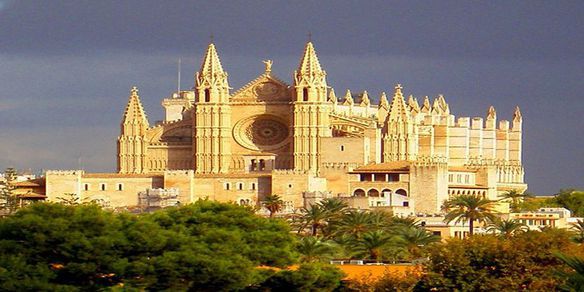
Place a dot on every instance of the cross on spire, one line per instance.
(310, 36)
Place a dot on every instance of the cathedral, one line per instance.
(302, 142)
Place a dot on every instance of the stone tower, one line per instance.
(310, 111)
(132, 140)
(211, 117)
(399, 141)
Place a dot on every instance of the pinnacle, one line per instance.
(491, 113)
(134, 110)
(383, 103)
(397, 108)
(211, 63)
(309, 63)
(348, 98)
(517, 115)
(365, 99)
(332, 97)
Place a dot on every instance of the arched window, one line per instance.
(102, 187)
(385, 192)
(262, 164)
(359, 193)
(305, 94)
(402, 192)
(373, 193)
(342, 147)
(207, 95)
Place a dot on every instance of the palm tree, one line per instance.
(414, 238)
(314, 216)
(578, 227)
(273, 203)
(574, 280)
(469, 208)
(372, 245)
(356, 223)
(334, 208)
(506, 227)
(514, 196)
(313, 249)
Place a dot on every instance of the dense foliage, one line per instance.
(205, 246)
(524, 262)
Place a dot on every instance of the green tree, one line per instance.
(313, 249)
(572, 200)
(469, 208)
(524, 262)
(574, 280)
(308, 277)
(578, 229)
(315, 217)
(205, 246)
(9, 201)
(273, 203)
(69, 199)
(373, 245)
(415, 239)
(356, 223)
(515, 198)
(506, 227)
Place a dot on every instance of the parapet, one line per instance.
(64, 172)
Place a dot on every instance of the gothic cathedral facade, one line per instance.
(303, 143)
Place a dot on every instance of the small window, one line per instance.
(450, 178)
(86, 187)
(467, 178)
(120, 187)
(406, 204)
(207, 95)
(305, 94)
(240, 186)
(290, 186)
(253, 186)
(437, 233)
(342, 147)
(227, 186)
(102, 187)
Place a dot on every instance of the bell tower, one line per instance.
(399, 139)
(211, 116)
(310, 110)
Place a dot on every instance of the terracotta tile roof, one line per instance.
(401, 166)
(467, 187)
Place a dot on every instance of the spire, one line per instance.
(348, 98)
(211, 63)
(426, 108)
(309, 63)
(332, 97)
(383, 103)
(134, 113)
(436, 107)
(397, 108)
(517, 117)
(365, 99)
(491, 113)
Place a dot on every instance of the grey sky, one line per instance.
(66, 66)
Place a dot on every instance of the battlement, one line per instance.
(64, 172)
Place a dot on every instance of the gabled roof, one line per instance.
(241, 94)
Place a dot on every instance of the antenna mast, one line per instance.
(178, 81)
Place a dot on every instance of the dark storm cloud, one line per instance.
(66, 66)
(531, 29)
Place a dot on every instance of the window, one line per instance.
(406, 204)
(305, 94)
(459, 178)
(240, 186)
(207, 95)
(86, 187)
(120, 187)
(227, 186)
(102, 187)
(450, 177)
(438, 233)
(467, 178)
(342, 147)
(253, 186)
(290, 186)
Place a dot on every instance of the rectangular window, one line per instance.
(240, 186)
(86, 187)
(450, 177)
(102, 187)
(467, 179)
(253, 186)
(120, 187)
(227, 186)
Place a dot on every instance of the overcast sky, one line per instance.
(66, 67)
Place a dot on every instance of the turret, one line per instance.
(383, 108)
(517, 120)
(348, 98)
(311, 111)
(491, 120)
(310, 79)
(131, 142)
(211, 117)
(211, 81)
